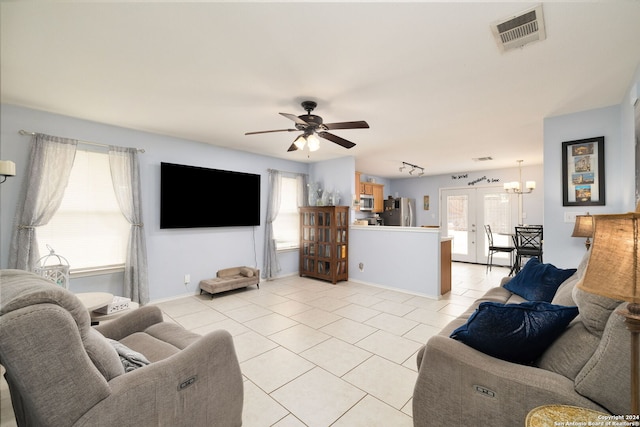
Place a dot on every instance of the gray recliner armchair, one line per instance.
(63, 372)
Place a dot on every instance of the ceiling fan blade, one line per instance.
(334, 138)
(295, 118)
(269, 131)
(347, 125)
(292, 148)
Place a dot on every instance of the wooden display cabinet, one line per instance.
(324, 240)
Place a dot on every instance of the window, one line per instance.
(286, 227)
(88, 229)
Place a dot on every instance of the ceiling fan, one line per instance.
(313, 127)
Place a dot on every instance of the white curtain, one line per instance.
(125, 175)
(271, 265)
(303, 190)
(50, 163)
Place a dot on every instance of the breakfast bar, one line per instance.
(411, 259)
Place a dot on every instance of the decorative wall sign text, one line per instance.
(481, 180)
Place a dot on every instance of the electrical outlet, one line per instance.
(187, 279)
(571, 216)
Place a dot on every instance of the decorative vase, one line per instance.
(325, 198)
(314, 187)
(336, 198)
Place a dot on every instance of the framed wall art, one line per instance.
(583, 172)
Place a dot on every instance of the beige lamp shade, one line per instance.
(583, 226)
(7, 168)
(613, 270)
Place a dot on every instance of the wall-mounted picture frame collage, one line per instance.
(583, 175)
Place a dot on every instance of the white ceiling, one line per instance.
(427, 77)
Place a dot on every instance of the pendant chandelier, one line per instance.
(515, 187)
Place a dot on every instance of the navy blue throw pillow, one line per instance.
(537, 281)
(517, 333)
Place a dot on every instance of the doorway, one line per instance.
(464, 213)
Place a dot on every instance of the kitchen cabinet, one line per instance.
(324, 240)
(371, 189)
(378, 198)
(366, 188)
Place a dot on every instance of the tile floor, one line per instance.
(317, 354)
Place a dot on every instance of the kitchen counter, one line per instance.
(412, 259)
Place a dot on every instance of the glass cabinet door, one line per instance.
(309, 218)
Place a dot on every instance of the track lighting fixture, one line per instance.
(414, 169)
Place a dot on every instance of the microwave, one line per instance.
(366, 202)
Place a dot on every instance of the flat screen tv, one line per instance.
(192, 196)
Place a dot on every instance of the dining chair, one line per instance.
(495, 249)
(528, 241)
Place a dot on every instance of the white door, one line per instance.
(457, 220)
(465, 212)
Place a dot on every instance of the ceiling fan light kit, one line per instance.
(300, 142)
(313, 142)
(314, 128)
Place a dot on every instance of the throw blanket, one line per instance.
(130, 359)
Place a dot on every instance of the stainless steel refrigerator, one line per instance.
(400, 212)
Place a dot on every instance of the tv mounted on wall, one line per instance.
(192, 196)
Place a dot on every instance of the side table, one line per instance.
(554, 415)
(99, 317)
(94, 300)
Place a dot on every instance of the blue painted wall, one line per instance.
(616, 124)
(417, 188)
(201, 252)
(171, 253)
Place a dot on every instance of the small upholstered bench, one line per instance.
(231, 278)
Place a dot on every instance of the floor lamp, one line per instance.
(614, 272)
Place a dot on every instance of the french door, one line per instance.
(465, 211)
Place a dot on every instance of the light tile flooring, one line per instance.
(317, 354)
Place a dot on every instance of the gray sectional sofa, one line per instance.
(588, 366)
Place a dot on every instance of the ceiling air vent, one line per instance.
(517, 31)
